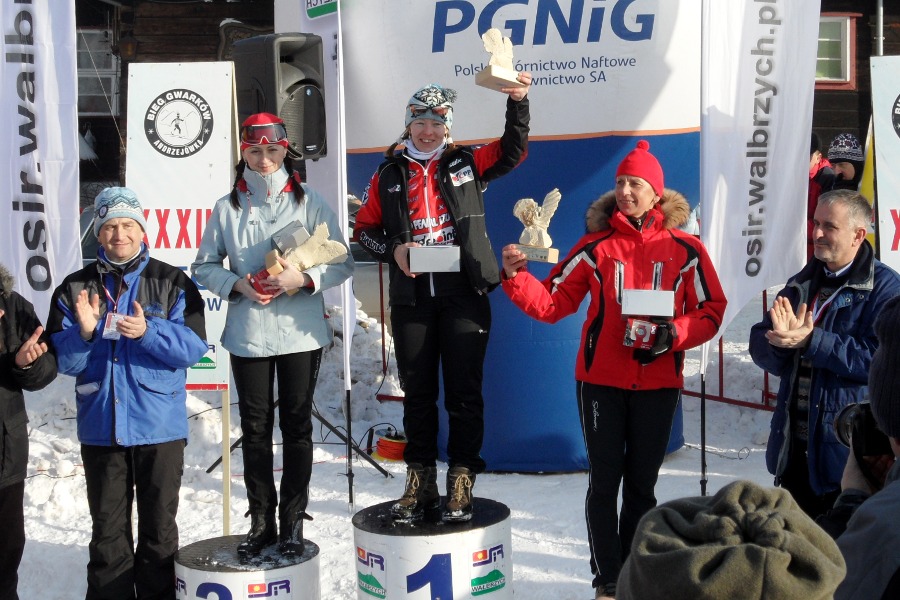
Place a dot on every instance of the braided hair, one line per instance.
(239, 174)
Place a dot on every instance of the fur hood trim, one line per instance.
(673, 204)
(6, 281)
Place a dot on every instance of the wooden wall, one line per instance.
(849, 111)
(189, 31)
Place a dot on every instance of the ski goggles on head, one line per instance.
(417, 110)
(270, 133)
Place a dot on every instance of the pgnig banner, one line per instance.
(605, 74)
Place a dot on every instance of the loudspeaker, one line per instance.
(282, 73)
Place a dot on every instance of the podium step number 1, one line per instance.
(434, 560)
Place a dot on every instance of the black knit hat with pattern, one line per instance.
(884, 373)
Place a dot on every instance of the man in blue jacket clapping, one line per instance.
(127, 327)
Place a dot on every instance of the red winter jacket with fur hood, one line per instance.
(615, 255)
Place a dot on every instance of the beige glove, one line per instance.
(317, 250)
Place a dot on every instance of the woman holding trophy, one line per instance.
(653, 294)
(428, 197)
(275, 323)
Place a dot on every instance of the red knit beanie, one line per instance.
(640, 163)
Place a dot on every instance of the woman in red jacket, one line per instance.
(627, 395)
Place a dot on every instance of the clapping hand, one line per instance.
(789, 329)
(87, 313)
(133, 326)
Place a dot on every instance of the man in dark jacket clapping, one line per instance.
(819, 339)
(25, 364)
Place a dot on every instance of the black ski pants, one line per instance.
(254, 380)
(116, 476)
(450, 334)
(626, 433)
(12, 537)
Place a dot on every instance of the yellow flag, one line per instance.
(867, 183)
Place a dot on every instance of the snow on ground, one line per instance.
(550, 552)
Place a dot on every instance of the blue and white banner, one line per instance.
(39, 131)
(759, 59)
(622, 67)
(604, 75)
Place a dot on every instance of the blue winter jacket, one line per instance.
(130, 392)
(840, 352)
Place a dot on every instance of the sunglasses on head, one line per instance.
(439, 111)
(271, 133)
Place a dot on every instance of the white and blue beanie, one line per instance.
(117, 203)
(432, 96)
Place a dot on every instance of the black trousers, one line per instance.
(12, 538)
(450, 333)
(795, 479)
(254, 379)
(626, 434)
(116, 476)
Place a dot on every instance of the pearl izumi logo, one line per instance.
(178, 123)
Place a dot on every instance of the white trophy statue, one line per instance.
(535, 242)
(500, 72)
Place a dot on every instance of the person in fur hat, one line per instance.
(627, 395)
(25, 364)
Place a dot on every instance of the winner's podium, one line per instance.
(431, 560)
(211, 569)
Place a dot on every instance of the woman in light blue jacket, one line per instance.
(275, 324)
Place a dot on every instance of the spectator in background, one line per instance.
(818, 338)
(746, 542)
(25, 364)
(129, 349)
(848, 160)
(821, 179)
(864, 515)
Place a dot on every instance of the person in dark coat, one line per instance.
(864, 517)
(818, 338)
(848, 161)
(25, 364)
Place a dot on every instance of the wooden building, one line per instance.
(846, 106)
(112, 34)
